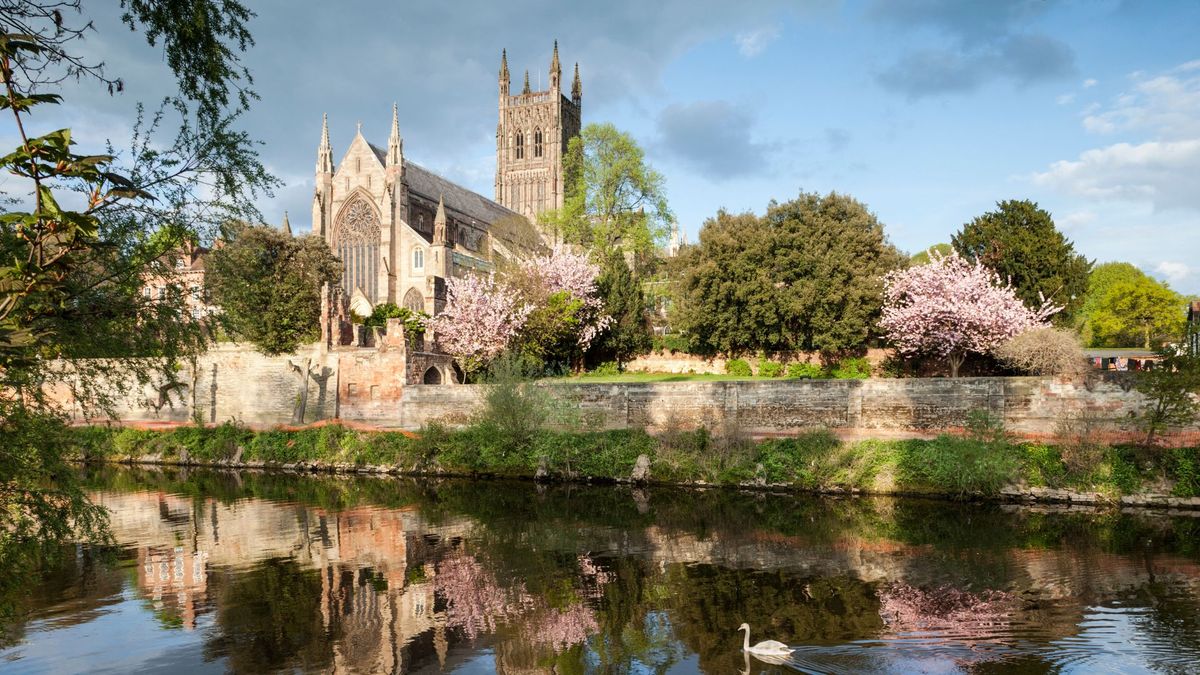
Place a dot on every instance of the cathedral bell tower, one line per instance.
(532, 134)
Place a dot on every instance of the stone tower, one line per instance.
(531, 140)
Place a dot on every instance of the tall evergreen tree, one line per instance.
(628, 333)
(1019, 242)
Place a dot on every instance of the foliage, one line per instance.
(951, 307)
(1137, 310)
(804, 371)
(628, 333)
(1171, 389)
(607, 368)
(1019, 242)
(514, 408)
(925, 256)
(671, 342)
(856, 368)
(568, 309)
(414, 322)
(806, 276)
(268, 285)
(1044, 351)
(479, 321)
(768, 368)
(72, 266)
(739, 367)
(615, 202)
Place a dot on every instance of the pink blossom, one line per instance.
(574, 274)
(480, 318)
(951, 307)
(475, 601)
(561, 629)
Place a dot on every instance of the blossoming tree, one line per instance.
(951, 307)
(481, 317)
(574, 275)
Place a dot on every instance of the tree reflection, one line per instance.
(269, 618)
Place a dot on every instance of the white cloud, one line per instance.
(1090, 82)
(1158, 172)
(1076, 220)
(1166, 106)
(1174, 272)
(1065, 99)
(751, 43)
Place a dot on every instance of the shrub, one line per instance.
(607, 368)
(769, 368)
(738, 367)
(857, 368)
(957, 466)
(671, 342)
(804, 371)
(1044, 351)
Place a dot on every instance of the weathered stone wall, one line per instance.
(369, 385)
(1028, 405)
(678, 362)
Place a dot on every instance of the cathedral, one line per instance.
(401, 230)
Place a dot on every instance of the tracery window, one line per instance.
(414, 301)
(418, 258)
(520, 145)
(537, 143)
(356, 243)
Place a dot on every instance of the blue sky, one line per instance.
(929, 111)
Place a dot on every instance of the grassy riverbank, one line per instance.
(947, 465)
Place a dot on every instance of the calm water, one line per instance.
(253, 573)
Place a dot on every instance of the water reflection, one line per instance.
(261, 572)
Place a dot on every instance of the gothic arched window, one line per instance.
(414, 301)
(418, 258)
(356, 243)
(537, 143)
(520, 145)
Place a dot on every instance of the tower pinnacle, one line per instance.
(325, 151)
(555, 69)
(576, 86)
(395, 143)
(504, 72)
(525, 89)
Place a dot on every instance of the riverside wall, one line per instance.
(368, 385)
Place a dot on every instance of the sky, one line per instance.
(928, 111)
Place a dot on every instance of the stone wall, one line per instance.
(679, 362)
(371, 385)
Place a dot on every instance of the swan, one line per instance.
(764, 648)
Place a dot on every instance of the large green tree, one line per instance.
(628, 334)
(1020, 243)
(82, 229)
(268, 285)
(615, 201)
(1122, 319)
(808, 275)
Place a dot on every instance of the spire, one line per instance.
(526, 89)
(439, 224)
(555, 69)
(287, 226)
(325, 151)
(504, 72)
(576, 86)
(395, 143)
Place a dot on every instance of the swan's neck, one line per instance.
(746, 640)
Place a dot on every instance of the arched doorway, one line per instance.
(432, 376)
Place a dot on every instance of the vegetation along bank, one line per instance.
(983, 463)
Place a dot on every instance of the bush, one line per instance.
(769, 368)
(857, 368)
(607, 368)
(671, 342)
(804, 371)
(1044, 351)
(738, 367)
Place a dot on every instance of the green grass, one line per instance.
(817, 460)
(657, 377)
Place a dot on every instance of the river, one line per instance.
(257, 572)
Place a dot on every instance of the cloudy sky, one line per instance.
(929, 111)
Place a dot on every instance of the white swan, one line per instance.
(764, 648)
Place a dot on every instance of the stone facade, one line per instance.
(401, 230)
(531, 140)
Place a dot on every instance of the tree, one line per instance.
(1171, 389)
(952, 307)
(1124, 306)
(808, 275)
(479, 321)
(614, 200)
(923, 257)
(70, 276)
(628, 334)
(1044, 351)
(268, 285)
(1020, 243)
